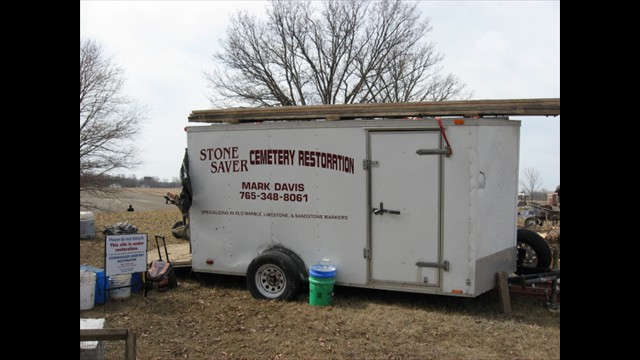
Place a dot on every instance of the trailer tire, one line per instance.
(534, 253)
(273, 276)
(302, 269)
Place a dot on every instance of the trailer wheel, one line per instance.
(534, 253)
(273, 275)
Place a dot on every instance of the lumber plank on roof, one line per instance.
(466, 108)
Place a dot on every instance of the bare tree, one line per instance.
(531, 181)
(108, 120)
(350, 51)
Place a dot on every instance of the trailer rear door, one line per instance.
(405, 207)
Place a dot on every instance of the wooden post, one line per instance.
(554, 284)
(503, 291)
(130, 343)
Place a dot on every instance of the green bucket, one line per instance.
(321, 281)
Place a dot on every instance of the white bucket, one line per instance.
(117, 281)
(87, 289)
(87, 225)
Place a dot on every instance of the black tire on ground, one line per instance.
(273, 275)
(534, 254)
(177, 230)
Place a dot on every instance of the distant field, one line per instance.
(142, 199)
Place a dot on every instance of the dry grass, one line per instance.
(214, 317)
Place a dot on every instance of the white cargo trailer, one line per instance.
(417, 204)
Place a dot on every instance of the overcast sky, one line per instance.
(500, 49)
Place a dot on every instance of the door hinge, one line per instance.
(368, 164)
(366, 253)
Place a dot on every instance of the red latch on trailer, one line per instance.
(448, 147)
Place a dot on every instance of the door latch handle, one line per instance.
(382, 210)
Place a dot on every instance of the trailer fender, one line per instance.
(301, 267)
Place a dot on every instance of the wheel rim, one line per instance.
(530, 258)
(270, 281)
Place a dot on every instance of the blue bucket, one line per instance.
(322, 271)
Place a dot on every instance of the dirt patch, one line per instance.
(215, 317)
